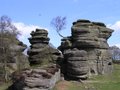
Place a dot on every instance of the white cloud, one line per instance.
(115, 39)
(25, 31)
(118, 45)
(115, 26)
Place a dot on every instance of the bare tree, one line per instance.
(59, 23)
(7, 29)
(115, 52)
(8, 34)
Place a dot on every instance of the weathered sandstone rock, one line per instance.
(91, 37)
(40, 51)
(36, 79)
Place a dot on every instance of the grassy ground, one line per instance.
(5, 86)
(106, 82)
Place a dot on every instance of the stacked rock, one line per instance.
(91, 37)
(40, 51)
(44, 56)
(76, 63)
(39, 36)
(90, 34)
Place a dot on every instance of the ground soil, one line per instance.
(63, 85)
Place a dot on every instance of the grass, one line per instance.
(76, 86)
(4, 86)
(109, 82)
(100, 82)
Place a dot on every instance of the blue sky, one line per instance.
(30, 14)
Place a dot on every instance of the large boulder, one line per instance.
(91, 37)
(36, 79)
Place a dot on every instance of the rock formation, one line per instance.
(40, 51)
(92, 38)
(19, 56)
(36, 79)
(43, 57)
(16, 59)
(76, 63)
(85, 52)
